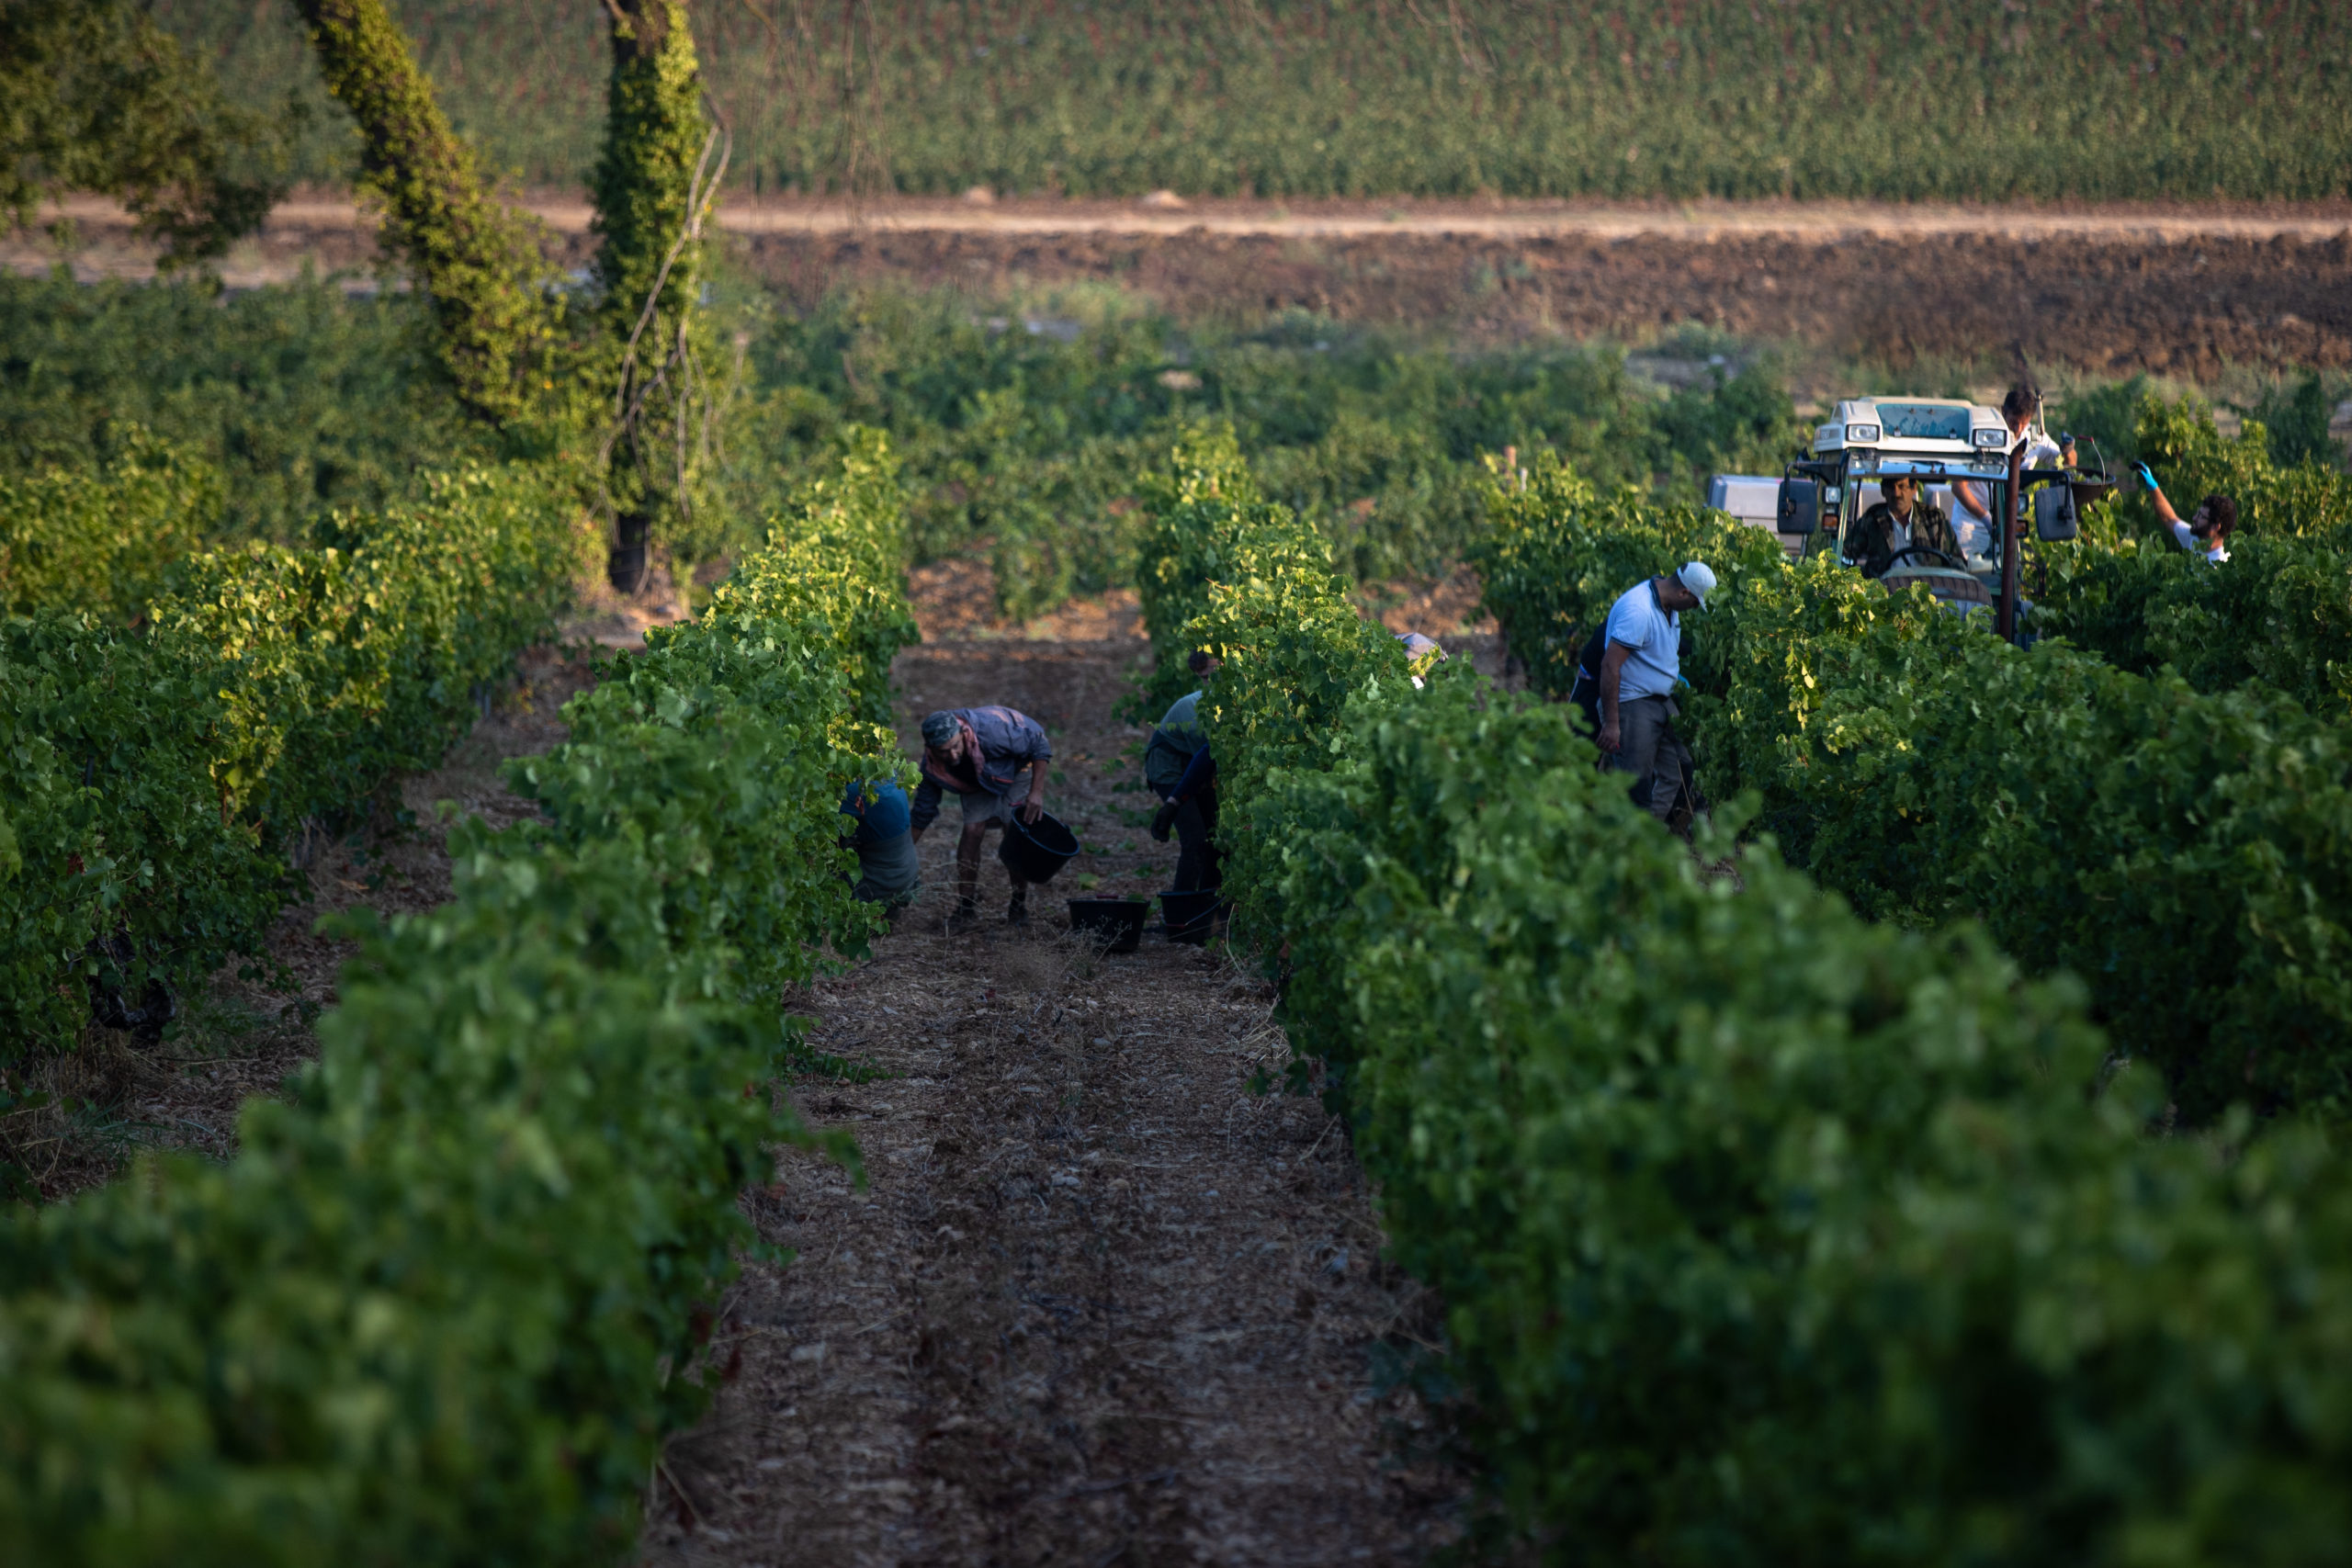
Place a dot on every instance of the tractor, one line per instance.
(1940, 441)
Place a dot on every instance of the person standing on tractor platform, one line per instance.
(2020, 408)
(2206, 533)
(1177, 766)
(1902, 521)
(977, 755)
(1637, 679)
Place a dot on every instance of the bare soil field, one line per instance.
(2175, 289)
(2186, 308)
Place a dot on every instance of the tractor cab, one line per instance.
(1940, 443)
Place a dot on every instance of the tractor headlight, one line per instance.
(1857, 432)
(1988, 438)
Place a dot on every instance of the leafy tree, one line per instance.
(476, 258)
(480, 264)
(95, 96)
(655, 183)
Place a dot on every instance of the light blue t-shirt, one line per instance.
(1655, 635)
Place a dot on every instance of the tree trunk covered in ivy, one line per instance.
(649, 267)
(475, 257)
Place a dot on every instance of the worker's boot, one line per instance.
(1017, 912)
(966, 914)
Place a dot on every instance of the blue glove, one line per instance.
(2147, 478)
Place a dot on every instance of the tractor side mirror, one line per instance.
(2053, 513)
(1800, 506)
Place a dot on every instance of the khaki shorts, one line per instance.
(983, 807)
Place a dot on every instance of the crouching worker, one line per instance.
(1638, 673)
(885, 845)
(1178, 767)
(882, 834)
(977, 755)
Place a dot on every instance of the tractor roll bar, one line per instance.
(2006, 618)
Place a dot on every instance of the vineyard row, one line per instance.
(2180, 839)
(448, 1296)
(1767, 1233)
(159, 778)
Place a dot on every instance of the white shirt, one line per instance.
(1655, 635)
(1976, 533)
(2041, 452)
(2219, 553)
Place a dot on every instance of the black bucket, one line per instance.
(1035, 851)
(1189, 915)
(1117, 923)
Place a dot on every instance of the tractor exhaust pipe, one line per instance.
(2005, 621)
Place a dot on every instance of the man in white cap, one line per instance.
(1637, 676)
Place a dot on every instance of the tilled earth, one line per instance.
(1096, 1301)
(2191, 307)
(2182, 290)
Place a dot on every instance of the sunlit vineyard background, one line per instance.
(2026, 99)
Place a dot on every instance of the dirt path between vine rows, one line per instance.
(1098, 1303)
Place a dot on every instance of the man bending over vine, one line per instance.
(977, 755)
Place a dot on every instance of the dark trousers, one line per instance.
(1197, 858)
(1650, 750)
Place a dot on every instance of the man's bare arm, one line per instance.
(1612, 678)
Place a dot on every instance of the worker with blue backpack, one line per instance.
(1625, 681)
